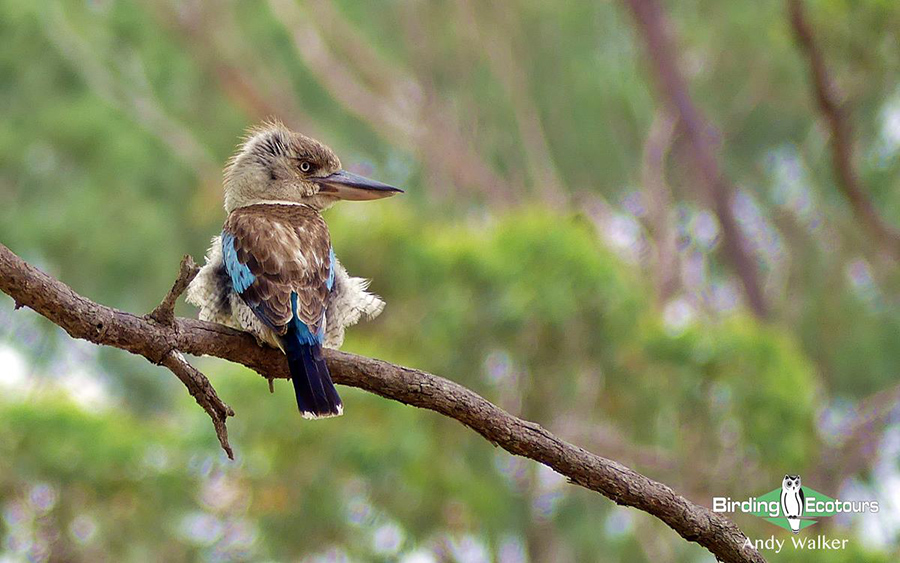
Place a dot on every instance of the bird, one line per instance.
(272, 271)
(792, 501)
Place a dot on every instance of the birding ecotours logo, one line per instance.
(792, 506)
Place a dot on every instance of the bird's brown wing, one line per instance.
(273, 252)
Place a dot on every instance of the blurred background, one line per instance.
(558, 250)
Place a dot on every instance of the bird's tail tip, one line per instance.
(316, 396)
(314, 415)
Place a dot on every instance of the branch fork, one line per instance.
(197, 384)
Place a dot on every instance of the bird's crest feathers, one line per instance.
(272, 139)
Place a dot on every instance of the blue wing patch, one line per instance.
(329, 283)
(241, 276)
(303, 333)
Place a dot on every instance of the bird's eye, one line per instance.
(305, 166)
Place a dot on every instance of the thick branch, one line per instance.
(651, 23)
(82, 318)
(841, 135)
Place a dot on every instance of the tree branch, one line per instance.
(165, 311)
(659, 203)
(651, 23)
(841, 135)
(204, 393)
(198, 385)
(164, 343)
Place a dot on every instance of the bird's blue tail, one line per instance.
(316, 395)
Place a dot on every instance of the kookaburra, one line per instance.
(272, 272)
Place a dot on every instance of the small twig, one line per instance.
(204, 393)
(841, 135)
(164, 313)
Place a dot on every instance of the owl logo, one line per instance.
(792, 501)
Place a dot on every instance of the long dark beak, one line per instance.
(353, 187)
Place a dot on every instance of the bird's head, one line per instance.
(275, 164)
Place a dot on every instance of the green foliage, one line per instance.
(96, 470)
